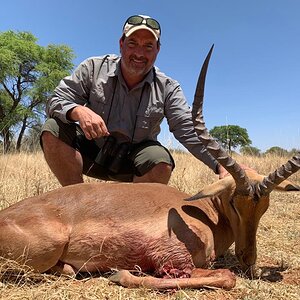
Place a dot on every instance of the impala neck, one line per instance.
(223, 234)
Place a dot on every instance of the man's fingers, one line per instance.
(93, 131)
(92, 124)
(101, 129)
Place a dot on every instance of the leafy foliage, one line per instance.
(278, 151)
(28, 75)
(231, 136)
(250, 150)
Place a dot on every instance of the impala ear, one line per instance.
(287, 186)
(214, 189)
(202, 194)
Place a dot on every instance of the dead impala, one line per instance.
(97, 227)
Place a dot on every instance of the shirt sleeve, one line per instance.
(179, 118)
(72, 91)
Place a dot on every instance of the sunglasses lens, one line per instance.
(135, 20)
(153, 24)
(138, 20)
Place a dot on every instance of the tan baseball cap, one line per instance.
(138, 22)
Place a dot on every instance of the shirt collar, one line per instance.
(114, 71)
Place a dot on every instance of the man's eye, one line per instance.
(131, 44)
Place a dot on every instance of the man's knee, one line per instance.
(152, 156)
(47, 136)
(50, 133)
(55, 132)
(163, 168)
(48, 141)
(160, 173)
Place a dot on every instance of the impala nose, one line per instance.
(250, 272)
(247, 260)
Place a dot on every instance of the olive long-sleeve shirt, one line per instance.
(134, 114)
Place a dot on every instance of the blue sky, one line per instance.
(254, 76)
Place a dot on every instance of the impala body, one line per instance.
(101, 226)
(95, 227)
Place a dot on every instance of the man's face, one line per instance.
(138, 52)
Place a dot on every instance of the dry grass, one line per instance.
(24, 175)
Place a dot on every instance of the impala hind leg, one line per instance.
(39, 247)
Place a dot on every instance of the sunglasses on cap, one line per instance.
(138, 20)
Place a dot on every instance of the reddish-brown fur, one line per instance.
(100, 226)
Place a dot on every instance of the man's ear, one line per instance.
(158, 45)
(121, 42)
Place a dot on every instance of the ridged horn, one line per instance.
(279, 175)
(233, 168)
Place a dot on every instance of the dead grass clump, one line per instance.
(266, 164)
(12, 273)
(190, 175)
(23, 175)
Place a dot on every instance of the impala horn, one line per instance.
(242, 182)
(279, 175)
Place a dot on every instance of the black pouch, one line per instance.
(105, 155)
(119, 157)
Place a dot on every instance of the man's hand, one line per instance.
(223, 172)
(91, 123)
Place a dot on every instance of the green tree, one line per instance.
(28, 75)
(250, 150)
(31, 140)
(230, 136)
(294, 151)
(277, 151)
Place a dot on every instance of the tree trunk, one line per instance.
(229, 147)
(21, 134)
(6, 140)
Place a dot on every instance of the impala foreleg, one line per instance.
(210, 279)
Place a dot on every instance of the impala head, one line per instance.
(245, 195)
(244, 212)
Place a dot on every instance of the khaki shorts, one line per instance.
(140, 159)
